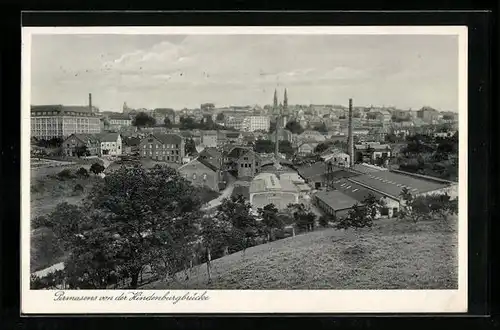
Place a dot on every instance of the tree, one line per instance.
(321, 147)
(321, 128)
(285, 147)
(356, 218)
(188, 123)
(236, 210)
(391, 138)
(82, 151)
(372, 206)
(264, 146)
(190, 147)
(270, 220)
(219, 117)
(272, 127)
(304, 219)
(324, 221)
(82, 172)
(142, 119)
(167, 122)
(294, 127)
(97, 168)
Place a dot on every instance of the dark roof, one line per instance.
(108, 137)
(119, 116)
(241, 190)
(311, 170)
(167, 138)
(336, 199)
(233, 135)
(86, 138)
(392, 183)
(131, 141)
(354, 190)
(62, 108)
(210, 158)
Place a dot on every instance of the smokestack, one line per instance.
(350, 137)
(90, 102)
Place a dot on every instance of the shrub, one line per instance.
(324, 221)
(97, 168)
(78, 188)
(64, 174)
(40, 221)
(82, 172)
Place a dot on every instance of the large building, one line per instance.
(268, 188)
(59, 121)
(256, 123)
(119, 120)
(163, 147)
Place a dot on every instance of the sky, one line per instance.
(177, 71)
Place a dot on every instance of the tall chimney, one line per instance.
(350, 137)
(90, 102)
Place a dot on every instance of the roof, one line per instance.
(195, 163)
(264, 182)
(108, 137)
(336, 199)
(131, 141)
(232, 135)
(374, 146)
(354, 190)
(210, 158)
(85, 137)
(166, 138)
(62, 108)
(367, 168)
(119, 116)
(392, 183)
(311, 170)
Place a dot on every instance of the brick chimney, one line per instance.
(90, 103)
(350, 137)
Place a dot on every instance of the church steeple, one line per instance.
(285, 101)
(275, 100)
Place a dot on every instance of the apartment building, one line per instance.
(163, 147)
(58, 121)
(119, 120)
(256, 123)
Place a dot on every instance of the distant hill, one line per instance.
(392, 255)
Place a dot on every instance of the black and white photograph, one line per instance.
(235, 161)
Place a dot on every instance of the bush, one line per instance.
(324, 221)
(97, 168)
(78, 188)
(64, 174)
(40, 221)
(82, 172)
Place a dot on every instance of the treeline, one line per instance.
(150, 222)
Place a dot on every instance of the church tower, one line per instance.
(285, 112)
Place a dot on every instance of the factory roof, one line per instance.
(354, 190)
(336, 199)
(368, 168)
(270, 182)
(392, 184)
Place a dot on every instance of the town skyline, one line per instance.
(158, 71)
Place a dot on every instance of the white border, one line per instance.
(255, 301)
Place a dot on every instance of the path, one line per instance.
(226, 193)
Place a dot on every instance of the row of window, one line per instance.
(165, 146)
(204, 176)
(165, 158)
(246, 165)
(168, 152)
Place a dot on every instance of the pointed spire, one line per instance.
(275, 100)
(285, 100)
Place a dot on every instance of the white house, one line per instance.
(337, 157)
(111, 144)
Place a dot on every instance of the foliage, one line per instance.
(304, 219)
(271, 220)
(426, 207)
(142, 119)
(82, 151)
(64, 174)
(82, 172)
(321, 147)
(78, 188)
(190, 147)
(220, 117)
(324, 220)
(356, 218)
(294, 127)
(167, 122)
(321, 128)
(97, 168)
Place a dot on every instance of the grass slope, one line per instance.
(391, 255)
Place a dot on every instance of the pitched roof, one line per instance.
(169, 138)
(197, 164)
(392, 183)
(131, 141)
(336, 199)
(355, 190)
(86, 138)
(108, 137)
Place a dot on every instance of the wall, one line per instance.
(195, 174)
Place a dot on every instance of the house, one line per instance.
(89, 143)
(248, 164)
(234, 137)
(318, 174)
(306, 148)
(311, 136)
(209, 138)
(111, 144)
(428, 114)
(119, 120)
(200, 173)
(163, 147)
(372, 150)
(336, 157)
(269, 188)
(130, 145)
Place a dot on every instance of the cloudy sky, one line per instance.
(148, 71)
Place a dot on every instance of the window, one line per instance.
(194, 176)
(150, 146)
(204, 176)
(177, 146)
(345, 159)
(241, 165)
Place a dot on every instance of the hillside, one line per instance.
(391, 255)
